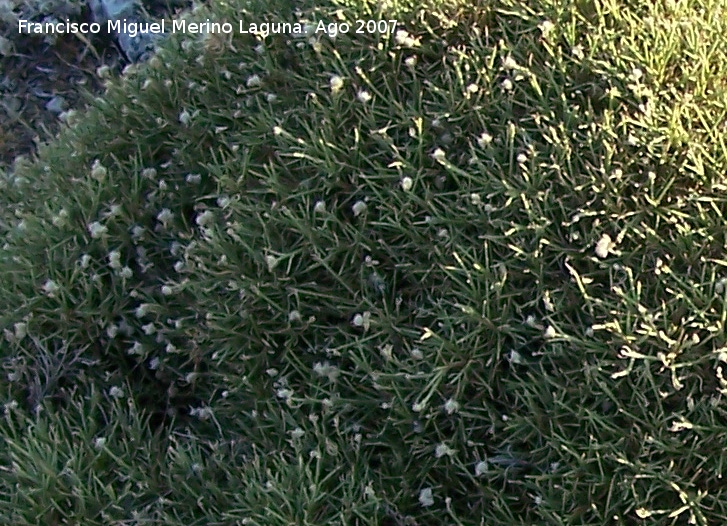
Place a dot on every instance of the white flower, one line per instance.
(451, 406)
(364, 96)
(336, 83)
(418, 407)
(410, 62)
(480, 468)
(165, 216)
(509, 63)
(21, 330)
(472, 89)
(193, 178)
(103, 71)
(549, 332)
(112, 330)
(577, 51)
(484, 139)
(277, 130)
(178, 267)
(405, 39)
(522, 158)
(85, 261)
(97, 230)
(271, 97)
(327, 370)
(253, 81)
(203, 413)
(546, 27)
(362, 320)
(60, 219)
(507, 84)
(439, 155)
(154, 363)
(294, 316)
(442, 450)
(176, 248)
(99, 442)
(297, 433)
(603, 246)
(126, 273)
(98, 171)
(476, 199)
(358, 208)
(401, 36)
(548, 302)
(185, 117)
(271, 262)
(425, 497)
(319, 207)
(137, 232)
(142, 310)
(50, 287)
(115, 259)
(149, 173)
(116, 392)
(167, 290)
(149, 329)
(205, 218)
(515, 357)
(285, 394)
(113, 211)
(636, 74)
(369, 491)
(406, 183)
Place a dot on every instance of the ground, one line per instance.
(68, 68)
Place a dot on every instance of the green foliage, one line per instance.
(471, 268)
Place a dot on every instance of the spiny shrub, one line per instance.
(469, 267)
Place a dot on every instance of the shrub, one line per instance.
(467, 269)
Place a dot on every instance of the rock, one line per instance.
(138, 47)
(105, 10)
(6, 47)
(57, 104)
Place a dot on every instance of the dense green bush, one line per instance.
(469, 272)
